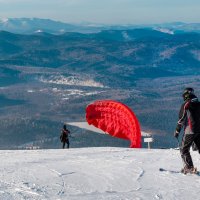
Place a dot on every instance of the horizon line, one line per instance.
(5, 19)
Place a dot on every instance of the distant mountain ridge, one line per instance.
(34, 25)
(141, 52)
(37, 25)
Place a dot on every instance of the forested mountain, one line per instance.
(48, 79)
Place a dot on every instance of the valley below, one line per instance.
(47, 80)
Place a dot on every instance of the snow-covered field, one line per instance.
(95, 174)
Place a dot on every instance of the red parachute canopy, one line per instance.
(115, 119)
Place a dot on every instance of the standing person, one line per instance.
(64, 137)
(189, 118)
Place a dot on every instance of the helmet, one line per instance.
(187, 93)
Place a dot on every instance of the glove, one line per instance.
(176, 134)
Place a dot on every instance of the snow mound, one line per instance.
(4, 20)
(96, 173)
(39, 31)
(164, 30)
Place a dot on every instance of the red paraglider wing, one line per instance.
(115, 119)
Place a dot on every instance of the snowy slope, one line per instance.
(95, 173)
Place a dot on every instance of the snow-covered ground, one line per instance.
(95, 174)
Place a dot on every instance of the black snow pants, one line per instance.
(66, 141)
(188, 139)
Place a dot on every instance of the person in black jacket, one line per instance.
(189, 118)
(64, 137)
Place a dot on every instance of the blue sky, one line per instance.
(104, 11)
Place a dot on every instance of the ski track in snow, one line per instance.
(95, 173)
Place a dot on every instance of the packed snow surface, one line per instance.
(96, 174)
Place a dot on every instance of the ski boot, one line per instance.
(192, 170)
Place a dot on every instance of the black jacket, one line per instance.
(189, 115)
(64, 135)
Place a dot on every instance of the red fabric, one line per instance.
(116, 119)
